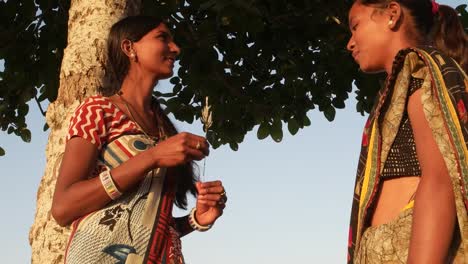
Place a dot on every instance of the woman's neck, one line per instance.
(138, 91)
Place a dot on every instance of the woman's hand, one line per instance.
(180, 149)
(211, 202)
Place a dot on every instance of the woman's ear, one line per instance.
(394, 14)
(127, 48)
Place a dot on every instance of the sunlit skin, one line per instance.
(76, 195)
(374, 43)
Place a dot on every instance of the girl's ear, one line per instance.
(394, 14)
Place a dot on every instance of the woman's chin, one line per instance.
(165, 75)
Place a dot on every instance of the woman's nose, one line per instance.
(351, 44)
(174, 48)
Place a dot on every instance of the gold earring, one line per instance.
(390, 22)
(133, 56)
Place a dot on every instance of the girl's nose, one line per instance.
(351, 44)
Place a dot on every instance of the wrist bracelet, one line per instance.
(194, 224)
(109, 185)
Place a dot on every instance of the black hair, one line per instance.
(134, 28)
(443, 26)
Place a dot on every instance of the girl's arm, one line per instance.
(434, 209)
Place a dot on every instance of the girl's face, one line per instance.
(156, 52)
(370, 39)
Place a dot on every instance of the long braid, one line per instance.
(387, 93)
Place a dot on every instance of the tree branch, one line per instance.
(39, 105)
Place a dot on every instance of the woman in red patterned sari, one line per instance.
(125, 165)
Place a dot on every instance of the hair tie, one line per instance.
(435, 7)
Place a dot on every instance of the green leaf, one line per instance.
(23, 110)
(277, 130)
(293, 126)
(263, 130)
(2, 152)
(175, 80)
(210, 136)
(234, 146)
(329, 113)
(306, 121)
(25, 135)
(463, 15)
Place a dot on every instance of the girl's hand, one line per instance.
(180, 149)
(211, 202)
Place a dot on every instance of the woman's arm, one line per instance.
(211, 201)
(182, 225)
(434, 209)
(76, 195)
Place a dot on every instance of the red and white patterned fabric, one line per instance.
(118, 138)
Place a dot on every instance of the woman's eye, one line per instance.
(354, 27)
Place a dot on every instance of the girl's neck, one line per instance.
(397, 45)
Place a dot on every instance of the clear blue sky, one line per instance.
(289, 202)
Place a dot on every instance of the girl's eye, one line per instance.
(163, 37)
(354, 27)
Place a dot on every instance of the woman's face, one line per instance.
(156, 52)
(370, 37)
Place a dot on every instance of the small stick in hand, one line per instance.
(207, 120)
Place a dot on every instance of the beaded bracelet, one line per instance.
(194, 224)
(109, 185)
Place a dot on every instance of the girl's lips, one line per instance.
(171, 59)
(355, 54)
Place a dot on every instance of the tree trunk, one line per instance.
(81, 73)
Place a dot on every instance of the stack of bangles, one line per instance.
(194, 224)
(114, 193)
(109, 185)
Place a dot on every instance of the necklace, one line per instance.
(127, 106)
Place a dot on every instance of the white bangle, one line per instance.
(194, 224)
(109, 185)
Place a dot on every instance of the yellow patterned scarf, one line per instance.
(444, 99)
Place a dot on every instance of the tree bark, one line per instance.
(81, 74)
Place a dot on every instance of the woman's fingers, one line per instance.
(212, 193)
(211, 197)
(209, 203)
(194, 154)
(181, 148)
(195, 142)
(211, 190)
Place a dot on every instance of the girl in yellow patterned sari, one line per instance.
(410, 198)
